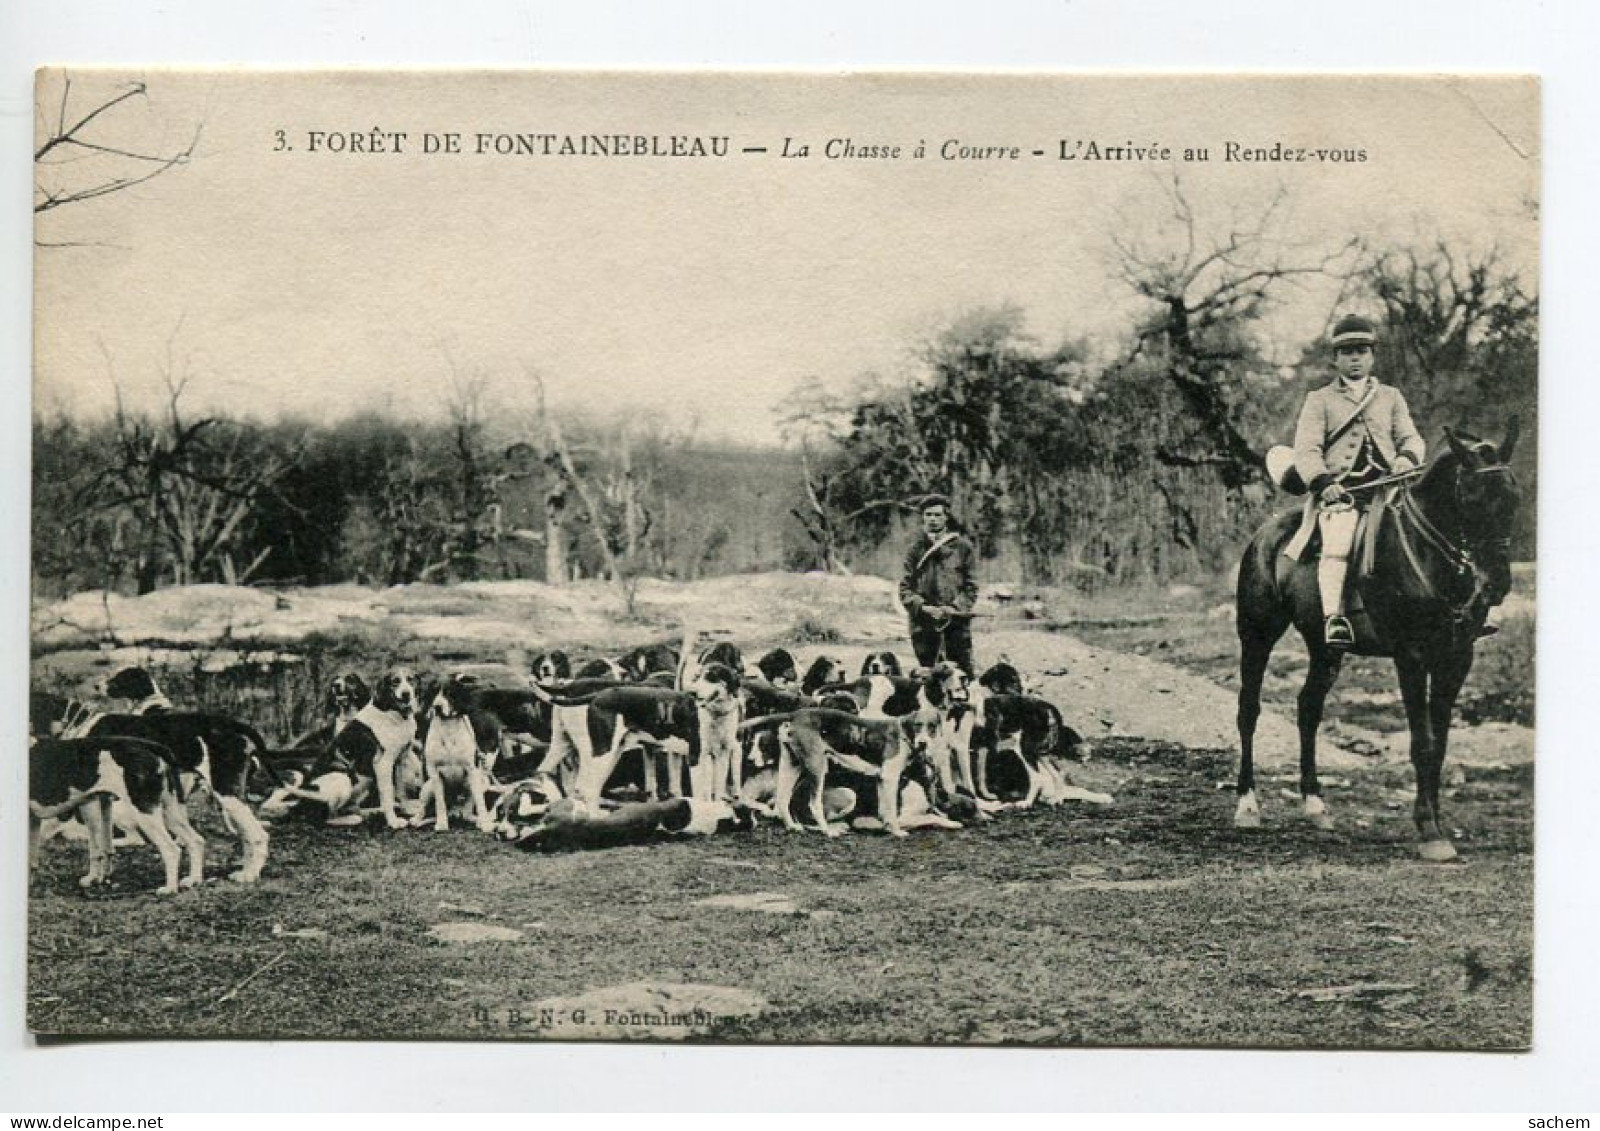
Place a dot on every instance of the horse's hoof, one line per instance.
(244, 877)
(1247, 815)
(191, 882)
(1317, 813)
(1437, 851)
(166, 891)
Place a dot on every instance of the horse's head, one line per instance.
(1486, 496)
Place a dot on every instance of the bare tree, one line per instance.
(186, 490)
(1207, 283)
(78, 156)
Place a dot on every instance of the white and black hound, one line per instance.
(879, 749)
(362, 757)
(552, 669)
(460, 743)
(882, 663)
(209, 750)
(85, 776)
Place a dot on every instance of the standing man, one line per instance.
(1351, 432)
(938, 590)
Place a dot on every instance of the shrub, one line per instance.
(810, 629)
(1501, 686)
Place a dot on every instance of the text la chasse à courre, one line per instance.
(1073, 151)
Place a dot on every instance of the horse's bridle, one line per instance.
(1460, 557)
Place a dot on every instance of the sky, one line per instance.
(276, 281)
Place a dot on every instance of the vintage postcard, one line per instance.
(786, 558)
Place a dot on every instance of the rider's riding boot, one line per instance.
(1331, 572)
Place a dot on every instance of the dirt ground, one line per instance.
(1148, 922)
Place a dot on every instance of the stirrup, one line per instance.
(1487, 630)
(1337, 633)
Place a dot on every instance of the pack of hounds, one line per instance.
(658, 743)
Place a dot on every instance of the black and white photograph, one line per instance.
(955, 559)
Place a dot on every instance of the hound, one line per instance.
(824, 672)
(876, 748)
(460, 741)
(601, 667)
(211, 752)
(362, 757)
(1033, 731)
(1002, 678)
(347, 694)
(573, 824)
(50, 714)
(83, 776)
(531, 797)
(882, 663)
(595, 734)
(718, 774)
(640, 664)
(778, 668)
(552, 668)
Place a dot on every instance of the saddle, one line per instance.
(1371, 640)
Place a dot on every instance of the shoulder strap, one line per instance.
(938, 544)
(1361, 407)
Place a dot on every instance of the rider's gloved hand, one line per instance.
(1403, 464)
(1333, 493)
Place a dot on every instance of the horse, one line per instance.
(1441, 560)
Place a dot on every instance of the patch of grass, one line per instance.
(1153, 922)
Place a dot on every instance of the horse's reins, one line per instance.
(1458, 557)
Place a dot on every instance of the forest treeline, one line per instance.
(1079, 461)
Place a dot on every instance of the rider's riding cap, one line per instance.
(934, 500)
(1353, 330)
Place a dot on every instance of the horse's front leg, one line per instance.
(1413, 672)
(1324, 670)
(1444, 684)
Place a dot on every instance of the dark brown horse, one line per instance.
(1441, 561)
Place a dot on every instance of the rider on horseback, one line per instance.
(1351, 432)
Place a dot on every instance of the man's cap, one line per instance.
(933, 500)
(1353, 330)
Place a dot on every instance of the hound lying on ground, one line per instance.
(84, 776)
(1031, 730)
(573, 824)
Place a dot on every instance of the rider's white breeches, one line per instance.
(1338, 526)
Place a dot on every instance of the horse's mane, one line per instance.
(1433, 483)
(1439, 470)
